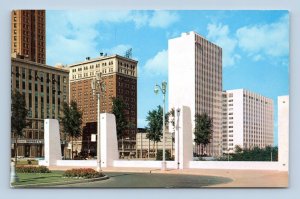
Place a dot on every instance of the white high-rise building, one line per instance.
(195, 80)
(248, 120)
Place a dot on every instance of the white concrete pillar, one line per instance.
(283, 132)
(51, 142)
(109, 143)
(183, 137)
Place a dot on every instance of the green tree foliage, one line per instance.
(203, 130)
(255, 154)
(118, 109)
(71, 121)
(155, 125)
(160, 155)
(18, 117)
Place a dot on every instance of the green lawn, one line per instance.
(25, 162)
(35, 179)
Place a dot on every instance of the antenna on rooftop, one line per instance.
(128, 53)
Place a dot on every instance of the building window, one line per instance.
(23, 85)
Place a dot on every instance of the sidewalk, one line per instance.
(241, 178)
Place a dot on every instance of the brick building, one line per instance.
(120, 77)
(28, 34)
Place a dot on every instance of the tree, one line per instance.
(118, 109)
(18, 117)
(203, 130)
(71, 121)
(159, 155)
(155, 124)
(268, 153)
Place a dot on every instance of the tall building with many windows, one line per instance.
(45, 89)
(248, 120)
(28, 34)
(120, 77)
(195, 80)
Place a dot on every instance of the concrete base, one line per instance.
(183, 137)
(109, 142)
(13, 175)
(109, 150)
(163, 166)
(52, 142)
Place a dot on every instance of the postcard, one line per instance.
(149, 98)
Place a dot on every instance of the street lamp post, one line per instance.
(98, 86)
(163, 89)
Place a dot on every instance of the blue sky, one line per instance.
(255, 45)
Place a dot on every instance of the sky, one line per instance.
(255, 46)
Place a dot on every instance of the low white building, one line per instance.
(146, 148)
(248, 120)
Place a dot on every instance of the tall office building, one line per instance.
(195, 80)
(28, 34)
(45, 89)
(120, 77)
(248, 120)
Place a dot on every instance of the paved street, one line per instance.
(153, 180)
(238, 178)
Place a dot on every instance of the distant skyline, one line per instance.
(255, 46)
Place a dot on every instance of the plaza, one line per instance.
(186, 178)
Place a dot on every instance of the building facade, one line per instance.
(120, 78)
(248, 120)
(28, 34)
(45, 89)
(146, 148)
(195, 80)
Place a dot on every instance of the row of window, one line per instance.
(41, 88)
(39, 75)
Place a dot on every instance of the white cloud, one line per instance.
(163, 19)
(157, 65)
(74, 35)
(119, 49)
(140, 19)
(258, 57)
(219, 34)
(172, 34)
(266, 39)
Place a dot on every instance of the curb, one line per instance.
(60, 183)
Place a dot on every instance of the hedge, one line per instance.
(32, 169)
(82, 173)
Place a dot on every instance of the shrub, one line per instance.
(32, 169)
(82, 173)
